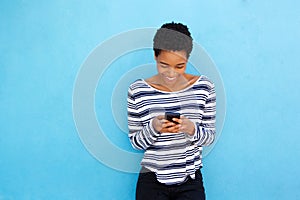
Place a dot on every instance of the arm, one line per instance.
(141, 136)
(205, 129)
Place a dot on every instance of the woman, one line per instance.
(172, 159)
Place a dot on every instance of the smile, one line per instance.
(170, 78)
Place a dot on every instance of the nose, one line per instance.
(171, 72)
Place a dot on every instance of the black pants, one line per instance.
(148, 188)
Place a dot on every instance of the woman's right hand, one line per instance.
(160, 124)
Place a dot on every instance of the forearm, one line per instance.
(142, 137)
(203, 136)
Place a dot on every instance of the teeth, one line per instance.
(170, 78)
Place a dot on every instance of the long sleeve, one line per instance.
(141, 136)
(205, 129)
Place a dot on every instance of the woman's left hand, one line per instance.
(185, 125)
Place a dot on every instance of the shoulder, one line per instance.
(137, 86)
(136, 83)
(205, 81)
(201, 79)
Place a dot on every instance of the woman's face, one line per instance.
(171, 67)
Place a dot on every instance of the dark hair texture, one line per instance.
(173, 37)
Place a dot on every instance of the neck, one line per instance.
(182, 83)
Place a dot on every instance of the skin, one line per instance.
(171, 76)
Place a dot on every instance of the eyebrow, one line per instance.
(168, 64)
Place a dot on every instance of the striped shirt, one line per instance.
(172, 156)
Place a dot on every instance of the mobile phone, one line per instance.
(170, 115)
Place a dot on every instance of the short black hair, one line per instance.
(173, 37)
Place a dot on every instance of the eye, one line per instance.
(164, 65)
(180, 66)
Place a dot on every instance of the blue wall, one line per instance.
(255, 45)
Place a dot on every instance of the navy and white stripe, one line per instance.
(172, 156)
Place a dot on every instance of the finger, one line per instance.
(164, 121)
(174, 129)
(179, 121)
(166, 130)
(168, 124)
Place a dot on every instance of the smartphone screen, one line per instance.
(170, 115)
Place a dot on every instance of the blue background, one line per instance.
(255, 45)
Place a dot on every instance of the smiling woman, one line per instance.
(173, 149)
(171, 66)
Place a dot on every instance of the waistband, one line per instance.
(197, 173)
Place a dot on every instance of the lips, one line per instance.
(170, 78)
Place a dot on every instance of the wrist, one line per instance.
(153, 125)
(192, 131)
